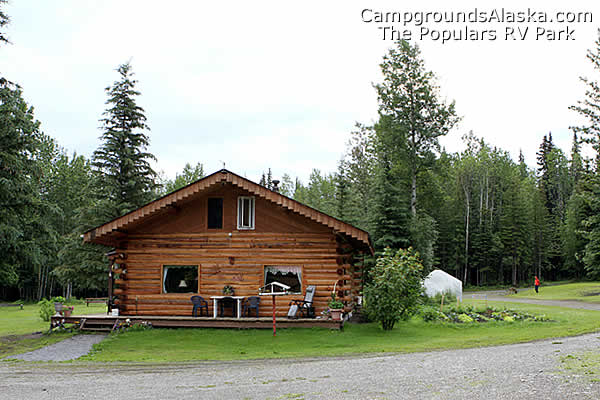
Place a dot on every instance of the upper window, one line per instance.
(245, 219)
(215, 213)
(180, 279)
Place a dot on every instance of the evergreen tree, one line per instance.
(26, 236)
(341, 192)
(590, 106)
(4, 20)
(590, 185)
(410, 99)
(122, 162)
(390, 219)
(286, 187)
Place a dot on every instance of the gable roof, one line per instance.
(108, 232)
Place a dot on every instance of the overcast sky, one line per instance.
(281, 84)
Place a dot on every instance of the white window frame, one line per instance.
(240, 212)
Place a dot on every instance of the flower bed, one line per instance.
(470, 315)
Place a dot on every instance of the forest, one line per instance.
(477, 214)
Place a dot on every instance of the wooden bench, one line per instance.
(11, 305)
(89, 300)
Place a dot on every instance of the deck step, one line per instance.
(96, 329)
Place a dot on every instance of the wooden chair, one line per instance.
(304, 307)
(199, 304)
(250, 303)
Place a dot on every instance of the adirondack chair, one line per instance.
(303, 307)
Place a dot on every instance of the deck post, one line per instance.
(110, 287)
(274, 325)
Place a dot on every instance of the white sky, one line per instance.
(281, 84)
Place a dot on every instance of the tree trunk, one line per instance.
(514, 272)
(468, 211)
(413, 193)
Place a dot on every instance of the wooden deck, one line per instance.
(107, 322)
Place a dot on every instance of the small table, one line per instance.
(216, 299)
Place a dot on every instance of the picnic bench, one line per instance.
(11, 305)
(89, 300)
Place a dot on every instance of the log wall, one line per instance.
(229, 257)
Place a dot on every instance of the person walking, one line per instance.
(537, 284)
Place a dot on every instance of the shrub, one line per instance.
(394, 292)
(465, 318)
(46, 309)
(431, 314)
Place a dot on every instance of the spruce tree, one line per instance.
(4, 20)
(122, 161)
(589, 133)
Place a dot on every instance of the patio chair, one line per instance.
(303, 307)
(199, 304)
(228, 302)
(250, 303)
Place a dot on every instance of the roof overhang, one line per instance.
(110, 232)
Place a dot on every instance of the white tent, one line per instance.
(438, 282)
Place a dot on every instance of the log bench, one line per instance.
(11, 305)
(89, 300)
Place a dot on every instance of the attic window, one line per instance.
(245, 219)
(215, 213)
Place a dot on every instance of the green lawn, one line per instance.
(582, 291)
(15, 322)
(169, 345)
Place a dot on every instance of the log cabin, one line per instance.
(224, 230)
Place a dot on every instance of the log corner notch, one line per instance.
(116, 267)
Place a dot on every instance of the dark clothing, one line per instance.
(536, 288)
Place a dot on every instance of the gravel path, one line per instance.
(520, 371)
(499, 295)
(68, 349)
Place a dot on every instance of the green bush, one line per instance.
(431, 314)
(465, 318)
(394, 292)
(46, 309)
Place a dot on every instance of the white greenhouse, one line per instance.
(440, 282)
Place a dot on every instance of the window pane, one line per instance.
(246, 213)
(215, 214)
(290, 276)
(180, 279)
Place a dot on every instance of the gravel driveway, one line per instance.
(521, 371)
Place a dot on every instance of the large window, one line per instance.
(180, 279)
(215, 213)
(245, 219)
(288, 275)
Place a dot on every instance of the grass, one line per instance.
(521, 285)
(181, 345)
(581, 291)
(14, 321)
(17, 327)
(585, 364)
